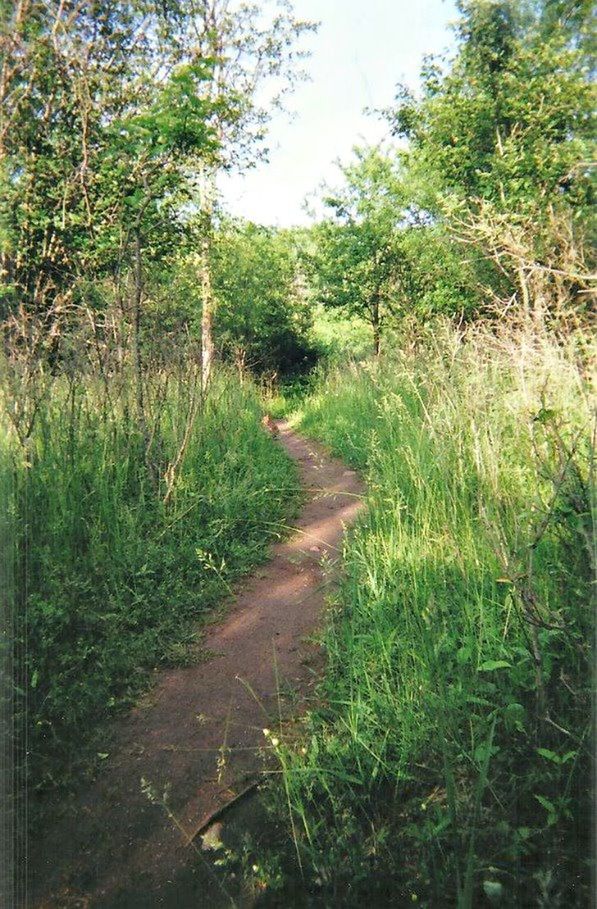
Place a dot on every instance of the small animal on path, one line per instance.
(270, 425)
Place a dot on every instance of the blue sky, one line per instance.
(362, 48)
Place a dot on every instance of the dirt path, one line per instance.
(200, 731)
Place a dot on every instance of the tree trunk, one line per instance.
(137, 329)
(207, 297)
(376, 327)
(207, 300)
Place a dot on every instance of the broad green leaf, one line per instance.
(549, 755)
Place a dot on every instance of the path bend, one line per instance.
(199, 732)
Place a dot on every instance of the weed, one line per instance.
(117, 556)
(449, 762)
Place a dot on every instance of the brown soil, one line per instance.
(199, 732)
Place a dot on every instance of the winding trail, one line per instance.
(199, 732)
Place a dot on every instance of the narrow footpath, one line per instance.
(198, 735)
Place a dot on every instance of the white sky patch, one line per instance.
(361, 50)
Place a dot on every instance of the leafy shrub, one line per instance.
(262, 320)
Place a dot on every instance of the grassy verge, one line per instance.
(115, 560)
(450, 762)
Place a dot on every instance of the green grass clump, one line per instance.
(113, 567)
(449, 762)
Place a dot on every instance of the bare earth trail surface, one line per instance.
(199, 733)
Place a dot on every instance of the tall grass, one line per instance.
(449, 763)
(127, 532)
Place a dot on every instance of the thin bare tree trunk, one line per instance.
(376, 327)
(207, 296)
(207, 300)
(138, 297)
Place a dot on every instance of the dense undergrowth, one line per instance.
(449, 763)
(120, 544)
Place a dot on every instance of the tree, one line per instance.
(357, 263)
(105, 115)
(255, 55)
(100, 115)
(500, 142)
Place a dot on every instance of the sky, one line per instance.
(361, 50)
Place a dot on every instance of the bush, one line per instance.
(262, 320)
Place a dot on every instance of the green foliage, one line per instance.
(511, 118)
(340, 336)
(448, 753)
(114, 576)
(378, 258)
(356, 259)
(178, 118)
(92, 143)
(500, 149)
(262, 316)
(251, 46)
